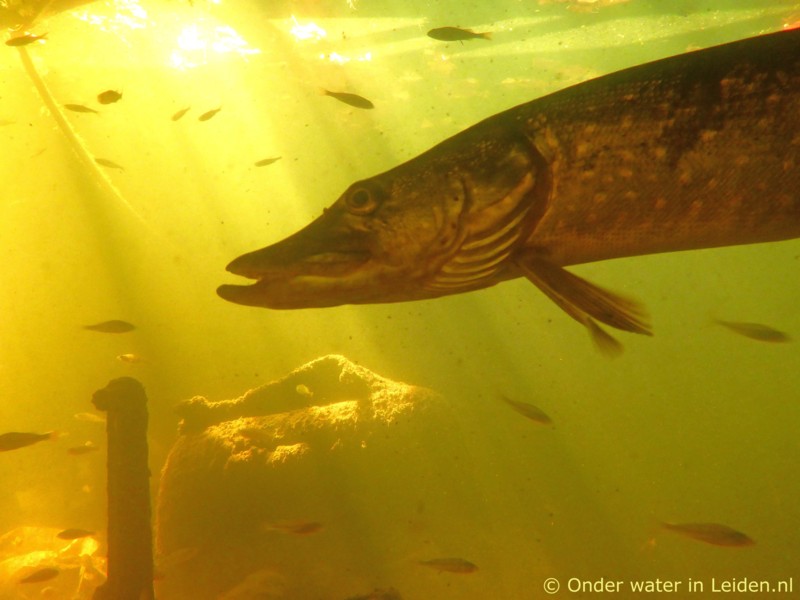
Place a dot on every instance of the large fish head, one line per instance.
(389, 238)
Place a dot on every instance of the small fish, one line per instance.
(451, 565)
(266, 161)
(456, 34)
(15, 439)
(180, 113)
(206, 115)
(24, 40)
(351, 99)
(294, 527)
(74, 534)
(379, 594)
(755, 331)
(130, 358)
(45, 574)
(113, 326)
(528, 410)
(303, 390)
(104, 162)
(109, 97)
(88, 417)
(710, 533)
(85, 448)
(80, 108)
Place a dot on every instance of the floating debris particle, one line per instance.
(112, 326)
(304, 390)
(130, 358)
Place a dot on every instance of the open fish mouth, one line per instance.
(312, 281)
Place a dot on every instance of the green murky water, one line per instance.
(693, 425)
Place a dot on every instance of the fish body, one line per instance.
(205, 116)
(530, 411)
(109, 97)
(80, 108)
(457, 34)
(109, 164)
(294, 527)
(450, 565)
(755, 331)
(24, 40)
(74, 534)
(353, 100)
(710, 533)
(14, 440)
(112, 326)
(694, 151)
(179, 114)
(40, 575)
(86, 448)
(266, 161)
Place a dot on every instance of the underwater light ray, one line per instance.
(77, 145)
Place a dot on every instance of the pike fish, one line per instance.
(699, 150)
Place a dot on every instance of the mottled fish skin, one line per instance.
(695, 151)
(710, 533)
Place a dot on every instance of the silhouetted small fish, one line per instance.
(755, 331)
(528, 410)
(130, 358)
(24, 40)
(456, 34)
(80, 108)
(710, 533)
(266, 161)
(104, 162)
(74, 534)
(294, 527)
(180, 113)
(351, 99)
(379, 594)
(88, 417)
(45, 574)
(113, 326)
(206, 115)
(109, 97)
(85, 448)
(15, 439)
(451, 565)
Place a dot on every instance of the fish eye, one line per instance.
(361, 201)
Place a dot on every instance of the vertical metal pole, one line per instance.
(130, 542)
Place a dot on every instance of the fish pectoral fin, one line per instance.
(584, 302)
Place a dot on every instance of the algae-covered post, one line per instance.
(130, 543)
